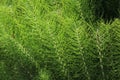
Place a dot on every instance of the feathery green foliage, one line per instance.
(50, 40)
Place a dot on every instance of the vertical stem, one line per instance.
(58, 50)
(100, 54)
(81, 52)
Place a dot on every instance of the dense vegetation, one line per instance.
(93, 10)
(58, 40)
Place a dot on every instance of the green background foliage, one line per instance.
(51, 40)
(94, 10)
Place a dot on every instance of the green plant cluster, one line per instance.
(50, 40)
(94, 10)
